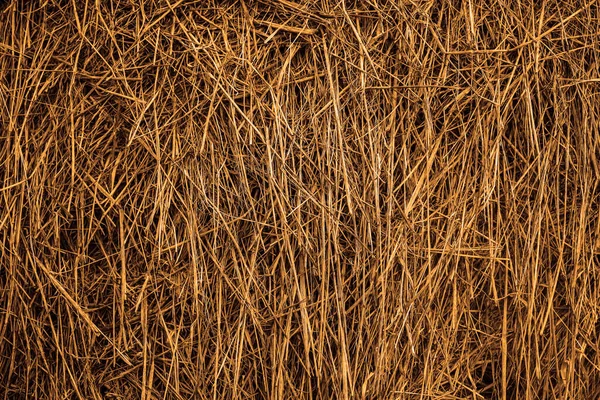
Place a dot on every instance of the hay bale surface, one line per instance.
(281, 199)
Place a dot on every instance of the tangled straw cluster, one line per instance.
(280, 199)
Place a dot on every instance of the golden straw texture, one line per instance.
(295, 199)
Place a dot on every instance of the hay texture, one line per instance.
(294, 199)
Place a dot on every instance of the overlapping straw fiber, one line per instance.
(294, 199)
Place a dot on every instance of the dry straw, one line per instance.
(294, 199)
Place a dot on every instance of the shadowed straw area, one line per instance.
(288, 199)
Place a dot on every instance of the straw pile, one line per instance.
(281, 199)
